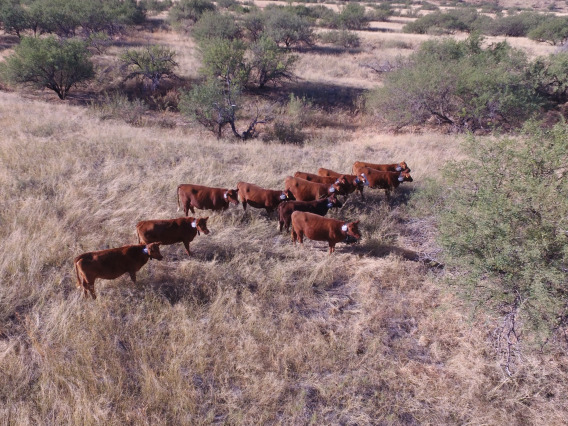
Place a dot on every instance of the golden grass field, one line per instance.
(250, 329)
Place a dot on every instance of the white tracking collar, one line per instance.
(344, 228)
(401, 178)
(194, 224)
(331, 189)
(282, 196)
(225, 195)
(145, 250)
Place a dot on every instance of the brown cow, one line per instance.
(388, 181)
(260, 198)
(319, 207)
(204, 197)
(303, 190)
(346, 186)
(353, 180)
(397, 167)
(112, 263)
(323, 229)
(171, 231)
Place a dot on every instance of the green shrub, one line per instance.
(152, 63)
(503, 227)
(518, 25)
(254, 25)
(285, 27)
(269, 63)
(215, 25)
(225, 60)
(459, 84)
(551, 77)
(14, 18)
(342, 38)
(156, 6)
(553, 31)
(48, 63)
(187, 12)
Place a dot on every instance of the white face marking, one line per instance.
(344, 228)
(282, 196)
(194, 224)
(145, 250)
(331, 189)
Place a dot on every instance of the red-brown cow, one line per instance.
(204, 197)
(346, 186)
(353, 180)
(319, 207)
(303, 190)
(171, 231)
(323, 229)
(112, 263)
(388, 181)
(260, 198)
(397, 167)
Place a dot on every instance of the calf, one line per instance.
(171, 231)
(323, 229)
(319, 207)
(112, 263)
(355, 183)
(303, 190)
(260, 198)
(388, 181)
(204, 197)
(397, 167)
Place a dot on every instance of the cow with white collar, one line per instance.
(112, 263)
(304, 190)
(356, 183)
(320, 228)
(393, 167)
(261, 198)
(171, 231)
(388, 181)
(205, 197)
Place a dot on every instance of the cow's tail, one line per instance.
(177, 193)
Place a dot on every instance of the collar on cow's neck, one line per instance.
(401, 177)
(194, 224)
(145, 250)
(225, 195)
(344, 227)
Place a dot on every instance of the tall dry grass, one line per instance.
(249, 329)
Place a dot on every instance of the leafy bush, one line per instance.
(553, 31)
(215, 25)
(268, 63)
(436, 23)
(551, 77)
(14, 18)
(49, 63)
(459, 84)
(225, 60)
(351, 17)
(187, 12)
(502, 223)
(153, 63)
(284, 26)
(518, 25)
(342, 38)
(156, 6)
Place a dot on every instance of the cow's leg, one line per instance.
(190, 207)
(244, 205)
(361, 192)
(132, 276)
(186, 245)
(331, 247)
(294, 236)
(301, 237)
(91, 288)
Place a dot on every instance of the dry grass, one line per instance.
(249, 329)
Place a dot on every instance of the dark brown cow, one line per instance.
(397, 167)
(388, 181)
(171, 231)
(303, 190)
(353, 180)
(112, 263)
(204, 197)
(319, 207)
(260, 198)
(323, 229)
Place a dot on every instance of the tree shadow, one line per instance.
(327, 96)
(8, 41)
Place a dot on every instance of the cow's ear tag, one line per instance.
(344, 228)
(194, 224)
(225, 195)
(331, 189)
(282, 196)
(145, 250)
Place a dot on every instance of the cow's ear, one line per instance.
(355, 223)
(205, 218)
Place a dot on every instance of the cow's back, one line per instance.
(315, 227)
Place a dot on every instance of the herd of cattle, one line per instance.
(306, 198)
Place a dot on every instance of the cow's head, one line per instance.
(403, 167)
(232, 196)
(201, 225)
(364, 179)
(351, 230)
(359, 183)
(153, 250)
(405, 177)
(332, 201)
(289, 195)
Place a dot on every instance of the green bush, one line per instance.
(351, 17)
(14, 18)
(436, 23)
(459, 84)
(269, 63)
(503, 226)
(225, 60)
(285, 27)
(342, 38)
(215, 25)
(187, 12)
(551, 77)
(152, 63)
(518, 25)
(553, 31)
(48, 63)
